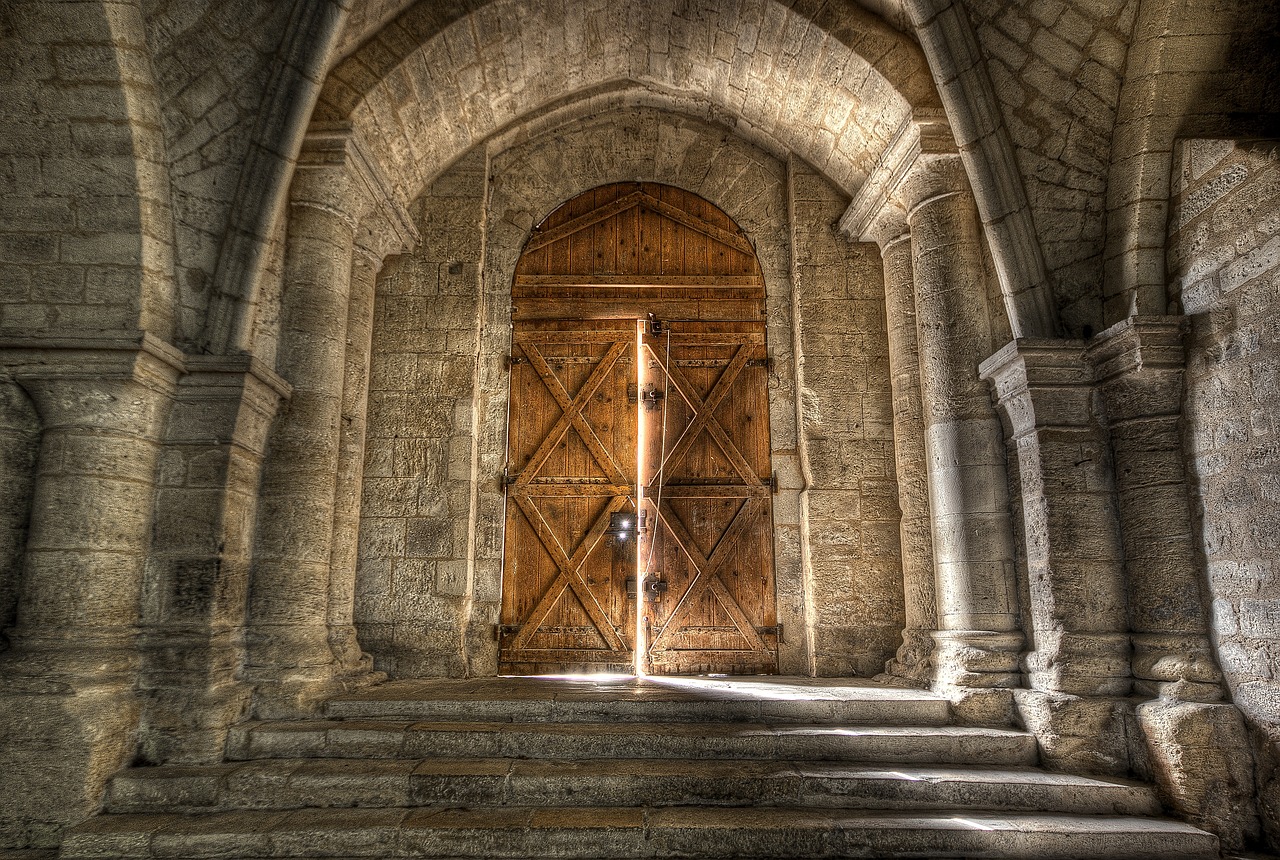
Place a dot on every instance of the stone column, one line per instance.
(978, 641)
(1078, 669)
(346, 518)
(914, 658)
(67, 702)
(290, 658)
(1140, 365)
(193, 608)
(1194, 740)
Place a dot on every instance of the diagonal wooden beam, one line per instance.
(706, 572)
(569, 409)
(582, 222)
(739, 618)
(573, 408)
(647, 201)
(704, 414)
(569, 576)
(700, 225)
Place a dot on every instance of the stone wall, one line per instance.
(212, 62)
(84, 202)
(1224, 259)
(413, 582)
(853, 559)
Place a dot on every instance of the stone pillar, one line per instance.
(1195, 742)
(193, 608)
(1078, 669)
(290, 658)
(914, 660)
(346, 518)
(1140, 365)
(978, 642)
(67, 703)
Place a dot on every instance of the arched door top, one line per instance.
(633, 248)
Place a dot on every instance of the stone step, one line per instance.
(630, 832)
(294, 784)
(680, 740)
(646, 700)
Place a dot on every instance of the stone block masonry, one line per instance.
(1224, 265)
(413, 588)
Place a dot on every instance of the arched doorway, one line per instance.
(638, 521)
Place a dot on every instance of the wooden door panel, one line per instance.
(571, 464)
(707, 479)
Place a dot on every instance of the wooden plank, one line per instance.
(540, 239)
(707, 491)
(699, 224)
(562, 656)
(707, 570)
(570, 415)
(573, 410)
(681, 337)
(568, 577)
(693, 221)
(536, 490)
(587, 280)
(531, 309)
(619, 336)
(704, 415)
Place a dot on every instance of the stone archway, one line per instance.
(856, 623)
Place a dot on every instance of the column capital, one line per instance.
(336, 173)
(384, 232)
(921, 161)
(1025, 368)
(1139, 343)
(50, 369)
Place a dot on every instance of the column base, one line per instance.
(1176, 666)
(295, 670)
(191, 693)
(346, 650)
(1081, 664)
(980, 659)
(978, 670)
(1080, 734)
(63, 741)
(1201, 761)
(912, 666)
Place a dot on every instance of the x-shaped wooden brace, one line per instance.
(707, 572)
(571, 413)
(704, 413)
(569, 575)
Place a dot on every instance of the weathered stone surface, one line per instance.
(148, 153)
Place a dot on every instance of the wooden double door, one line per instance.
(639, 493)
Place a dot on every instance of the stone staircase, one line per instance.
(595, 768)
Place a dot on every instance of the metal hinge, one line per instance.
(775, 630)
(500, 630)
(510, 361)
